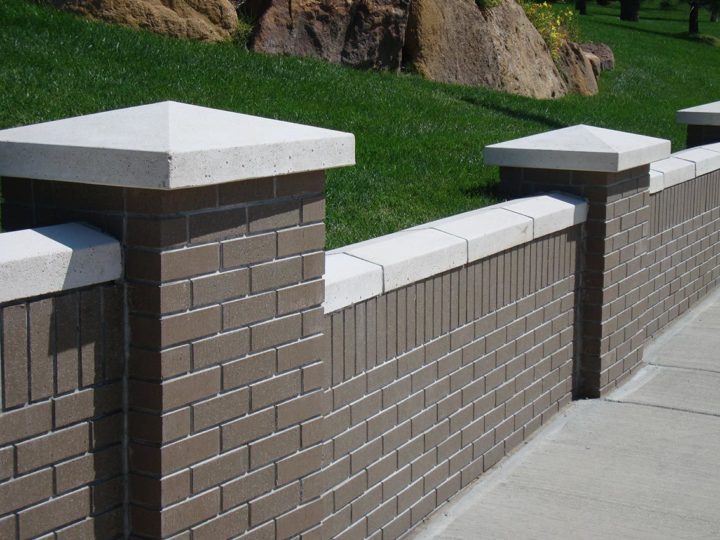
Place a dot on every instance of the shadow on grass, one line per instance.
(488, 190)
(685, 36)
(518, 114)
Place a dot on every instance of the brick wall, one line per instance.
(683, 258)
(61, 424)
(431, 384)
(698, 135)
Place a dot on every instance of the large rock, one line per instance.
(360, 33)
(457, 42)
(576, 69)
(210, 20)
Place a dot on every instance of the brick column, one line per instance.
(611, 170)
(223, 248)
(703, 124)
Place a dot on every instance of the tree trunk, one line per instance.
(715, 11)
(694, 26)
(630, 10)
(581, 6)
(603, 2)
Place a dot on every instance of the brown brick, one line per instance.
(218, 288)
(249, 310)
(313, 209)
(224, 526)
(7, 462)
(220, 409)
(221, 469)
(274, 390)
(149, 201)
(249, 250)
(175, 392)
(300, 409)
(275, 332)
(106, 495)
(175, 456)
(274, 504)
(159, 428)
(217, 225)
(299, 465)
(26, 490)
(301, 239)
(221, 348)
(248, 369)
(276, 446)
(300, 297)
(274, 216)
(300, 519)
(87, 404)
(163, 299)
(248, 428)
(248, 487)
(159, 492)
(270, 276)
(67, 338)
(88, 469)
(171, 265)
(156, 232)
(300, 183)
(176, 518)
(256, 189)
(157, 365)
(42, 338)
(53, 514)
(15, 355)
(52, 448)
(174, 329)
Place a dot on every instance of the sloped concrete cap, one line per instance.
(169, 145)
(702, 115)
(57, 258)
(579, 148)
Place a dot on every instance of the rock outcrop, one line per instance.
(455, 41)
(209, 20)
(576, 70)
(359, 33)
(603, 52)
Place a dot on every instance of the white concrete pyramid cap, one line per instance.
(702, 115)
(579, 148)
(169, 145)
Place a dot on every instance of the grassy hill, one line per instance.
(419, 144)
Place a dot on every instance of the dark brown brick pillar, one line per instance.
(700, 135)
(224, 300)
(614, 279)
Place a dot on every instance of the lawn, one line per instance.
(419, 144)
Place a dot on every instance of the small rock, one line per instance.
(603, 52)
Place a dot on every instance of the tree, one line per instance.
(581, 6)
(694, 26)
(630, 10)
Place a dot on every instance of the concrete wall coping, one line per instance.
(40, 261)
(684, 166)
(367, 269)
(702, 115)
(169, 145)
(579, 148)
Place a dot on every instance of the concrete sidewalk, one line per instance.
(642, 463)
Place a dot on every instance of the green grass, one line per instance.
(419, 144)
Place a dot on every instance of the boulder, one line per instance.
(576, 70)
(359, 33)
(456, 41)
(603, 52)
(594, 62)
(209, 20)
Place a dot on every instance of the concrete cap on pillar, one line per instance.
(702, 115)
(169, 145)
(579, 148)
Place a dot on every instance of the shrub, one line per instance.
(243, 31)
(555, 26)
